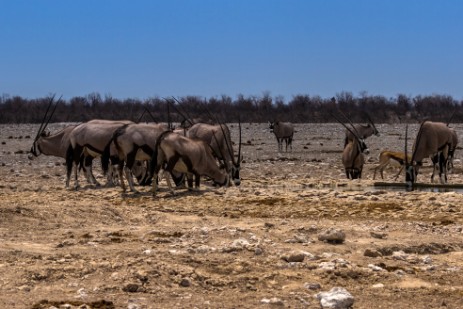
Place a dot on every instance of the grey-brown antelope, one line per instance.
(178, 153)
(91, 139)
(219, 138)
(352, 155)
(284, 131)
(362, 130)
(135, 142)
(433, 138)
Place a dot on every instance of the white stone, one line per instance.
(336, 298)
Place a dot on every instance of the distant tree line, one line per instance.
(300, 109)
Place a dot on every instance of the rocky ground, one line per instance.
(260, 245)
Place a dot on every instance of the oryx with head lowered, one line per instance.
(433, 139)
(219, 138)
(174, 152)
(284, 131)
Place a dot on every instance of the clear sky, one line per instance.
(146, 48)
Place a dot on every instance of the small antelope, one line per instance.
(385, 158)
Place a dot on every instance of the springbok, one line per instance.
(433, 138)
(178, 153)
(284, 131)
(135, 142)
(92, 139)
(385, 158)
(218, 137)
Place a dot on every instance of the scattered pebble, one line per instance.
(332, 235)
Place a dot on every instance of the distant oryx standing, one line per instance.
(353, 159)
(178, 153)
(352, 155)
(433, 138)
(92, 139)
(135, 142)
(362, 130)
(283, 131)
(218, 137)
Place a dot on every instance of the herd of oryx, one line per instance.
(142, 150)
(147, 151)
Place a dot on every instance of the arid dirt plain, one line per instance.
(253, 246)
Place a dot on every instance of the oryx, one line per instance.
(55, 144)
(447, 162)
(352, 155)
(219, 138)
(91, 139)
(362, 130)
(353, 159)
(284, 131)
(385, 158)
(135, 142)
(433, 138)
(178, 153)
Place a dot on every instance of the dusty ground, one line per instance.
(227, 248)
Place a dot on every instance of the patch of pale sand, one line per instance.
(29, 247)
(414, 283)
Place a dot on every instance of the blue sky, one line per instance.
(141, 49)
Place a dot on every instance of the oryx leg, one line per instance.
(69, 163)
(88, 170)
(435, 161)
(120, 169)
(155, 166)
(113, 174)
(443, 157)
(130, 161)
(189, 179)
(75, 159)
(197, 180)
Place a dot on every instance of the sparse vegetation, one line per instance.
(300, 109)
